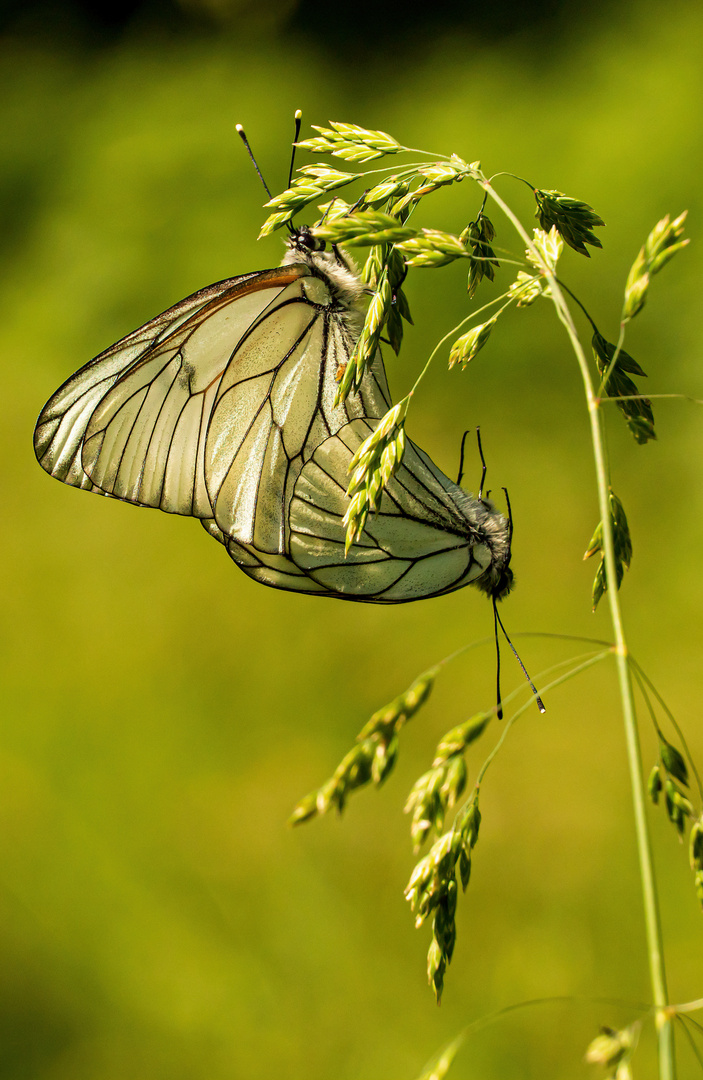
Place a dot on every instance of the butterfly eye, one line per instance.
(305, 239)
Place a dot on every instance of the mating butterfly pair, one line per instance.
(223, 409)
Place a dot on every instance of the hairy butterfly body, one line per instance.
(223, 408)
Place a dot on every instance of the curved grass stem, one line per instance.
(664, 1016)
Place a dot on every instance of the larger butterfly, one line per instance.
(223, 408)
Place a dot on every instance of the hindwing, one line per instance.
(428, 536)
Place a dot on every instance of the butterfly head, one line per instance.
(304, 241)
(494, 531)
(328, 263)
(501, 583)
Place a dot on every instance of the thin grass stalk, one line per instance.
(655, 948)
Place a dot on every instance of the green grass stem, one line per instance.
(655, 948)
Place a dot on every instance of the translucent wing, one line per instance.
(130, 423)
(428, 537)
(274, 406)
(188, 413)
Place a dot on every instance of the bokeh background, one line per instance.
(161, 713)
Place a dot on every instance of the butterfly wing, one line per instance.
(131, 423)
(134, 423)
(274, 406)
(428, 537)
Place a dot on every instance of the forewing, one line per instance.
(132, 423)
(213, 408)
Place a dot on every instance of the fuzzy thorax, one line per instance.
(335, 268)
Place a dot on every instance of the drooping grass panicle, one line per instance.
(433, 248)
(373, 756)
(651, 694)
(529, 285)
(385, 257)
(379, 194)
(433, 888)
(438, 790)
(368, 341)
(549, 246)
(669, 776)
(527, 288)
(695, 854)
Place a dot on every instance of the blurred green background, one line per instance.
(161, 713)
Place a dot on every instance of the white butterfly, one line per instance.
(222, 408)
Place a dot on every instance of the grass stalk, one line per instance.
(655, 948)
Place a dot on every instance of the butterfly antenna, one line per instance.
(357, 204)
(540, 703)
(499, 701)
(298, 121)
(483, 462)
(510, 518)
(242, 136)
(461, 456)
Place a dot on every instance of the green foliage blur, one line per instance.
(162, 714)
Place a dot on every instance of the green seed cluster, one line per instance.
(433, 889)
(373, 756)
(670, 776)
(613, 367)
(622, 545)
(314, 181)
(527, 287)
(440, 788)
(372, 466)
(350, 142)
(695, 853)
(573, 219)
(363, 228)
(469, 344)
(432, 248)
(613, 1050)
(661, 245)
(478, 236)
(387, 257)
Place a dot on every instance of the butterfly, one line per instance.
(223, 408)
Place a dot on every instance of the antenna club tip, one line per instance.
(239, 129)
(298, 114)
